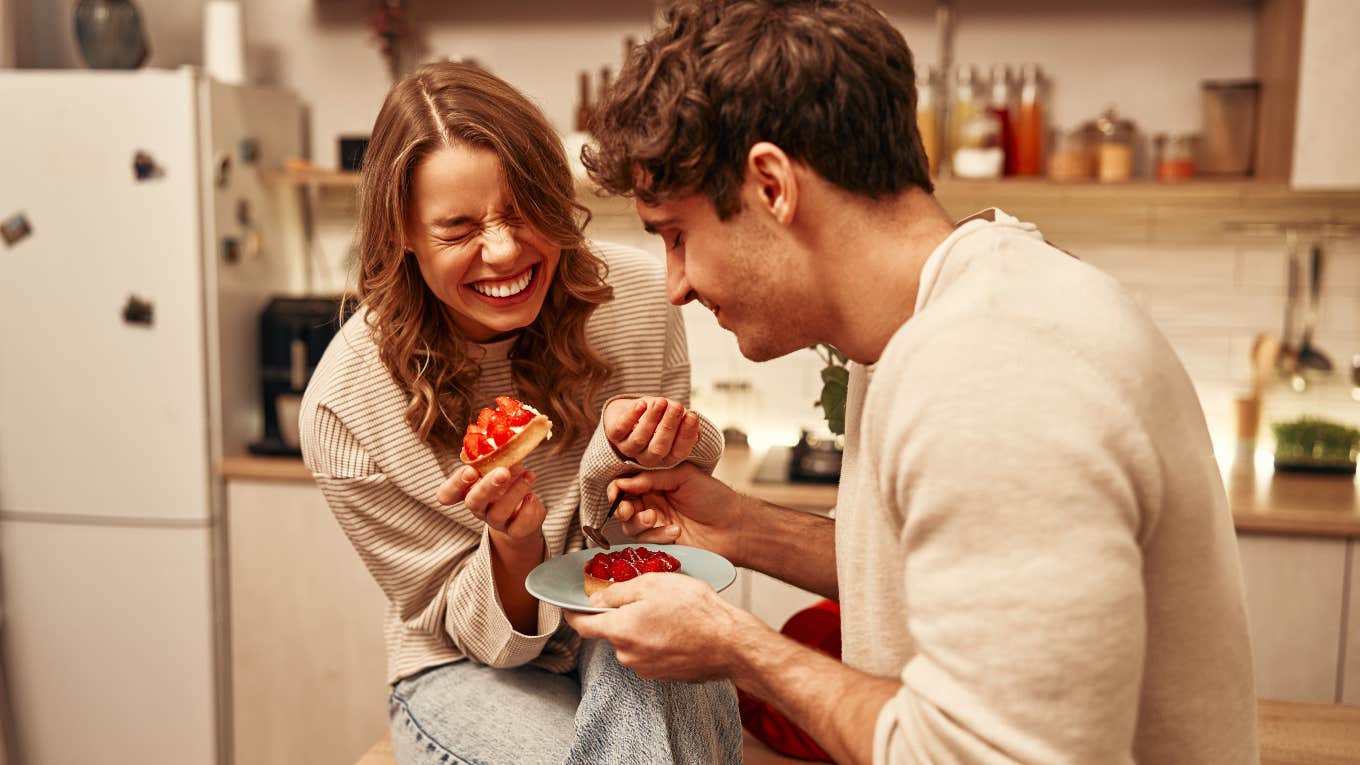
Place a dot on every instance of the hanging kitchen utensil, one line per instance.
(1310, 358)
(1287, 360)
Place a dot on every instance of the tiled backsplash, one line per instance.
(1210, 294)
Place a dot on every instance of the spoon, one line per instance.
(596, 535)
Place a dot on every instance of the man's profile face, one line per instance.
(737, 268)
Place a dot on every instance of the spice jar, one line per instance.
(1176, 156)
(1071, 158)
(1114, 147)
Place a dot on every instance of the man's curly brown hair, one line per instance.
(830, 82)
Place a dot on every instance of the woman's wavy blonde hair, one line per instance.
(553, 365)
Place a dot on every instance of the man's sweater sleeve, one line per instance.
(1019, 506)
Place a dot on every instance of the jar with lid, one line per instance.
(1071, 160)
(1114, 147)
(1176, 155)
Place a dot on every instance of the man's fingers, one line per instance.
(620, 593)
(661, 535)
(654, 480)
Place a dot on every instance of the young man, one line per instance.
(1032, 548)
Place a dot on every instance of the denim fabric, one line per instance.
(468, 714)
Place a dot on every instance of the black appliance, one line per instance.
(294, 333)
(816, 460)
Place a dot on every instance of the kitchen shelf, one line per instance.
(1211, 210)
(312, 177)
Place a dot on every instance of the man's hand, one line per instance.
(652, 431)
(683, 505)
(669, 627)
(503, 499)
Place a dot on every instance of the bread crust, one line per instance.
(516, 449)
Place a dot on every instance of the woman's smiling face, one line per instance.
(489, 267)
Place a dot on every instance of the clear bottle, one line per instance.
(1001, 103)
(963, 106)
(928, 117)
(1029, 122)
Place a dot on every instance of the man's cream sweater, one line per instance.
(1032, 531)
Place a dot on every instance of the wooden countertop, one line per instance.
(1295, 733)
(1262, 501)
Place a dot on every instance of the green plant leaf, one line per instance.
(835, 388)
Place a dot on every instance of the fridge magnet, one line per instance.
(243, 214)
(145, 167)
(249, 151)
(222, 172)
(138, 311)
(231, 249)
(14, 229)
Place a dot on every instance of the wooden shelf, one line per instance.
(316, 177)
(1139, 211)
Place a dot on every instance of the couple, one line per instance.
(1032, 549)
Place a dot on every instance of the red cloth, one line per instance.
(818, 626)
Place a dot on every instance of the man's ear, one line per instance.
(770, 176)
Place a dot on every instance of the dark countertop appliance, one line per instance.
(294, 333)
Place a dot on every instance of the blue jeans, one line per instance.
(469, 714)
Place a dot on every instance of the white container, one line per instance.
(224, 56)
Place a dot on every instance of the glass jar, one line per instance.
(1071, 158)
(1176, 156)
(1114, 147)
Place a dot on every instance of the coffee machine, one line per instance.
(294, 333)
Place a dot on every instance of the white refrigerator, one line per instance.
(137, 248)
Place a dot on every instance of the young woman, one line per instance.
(475, 280)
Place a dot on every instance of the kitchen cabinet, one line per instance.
(308, 662)
(1309, 67)
(1294, 591)
(1326, 154)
